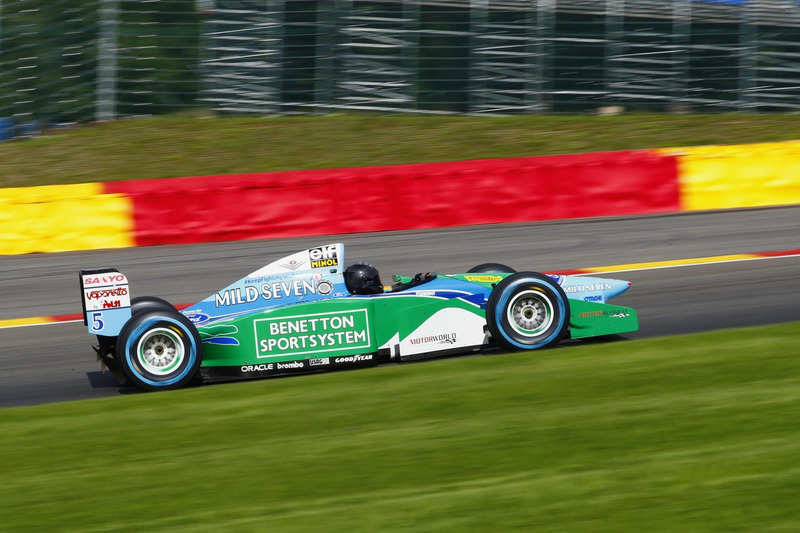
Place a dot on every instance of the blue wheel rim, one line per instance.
(504, 300)
(133, 340)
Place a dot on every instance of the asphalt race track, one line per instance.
(54, 362)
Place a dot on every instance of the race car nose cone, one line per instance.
(593, 289)
(618, 286)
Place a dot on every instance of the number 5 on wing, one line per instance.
(97, 321)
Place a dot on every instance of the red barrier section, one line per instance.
(354, 200)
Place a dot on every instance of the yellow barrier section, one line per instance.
(21, 322)
(748, 175)
(61, 218)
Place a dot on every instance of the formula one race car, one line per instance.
(306, 312)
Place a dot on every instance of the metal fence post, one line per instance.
(275, 69)
(325, 68)
(478, 23)
(546, 17)
(748, 72)
(107, 62)
(681, 35)
(615, 37)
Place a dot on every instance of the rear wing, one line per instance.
(106, 301)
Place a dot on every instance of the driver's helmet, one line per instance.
(363, 278)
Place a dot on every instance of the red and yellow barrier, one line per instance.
(729, 177)
(61, 218)
(402, 197)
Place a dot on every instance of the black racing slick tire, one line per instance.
(488, 268)
(145, 304)
(527, 311)
(159, 350)
(108, 345)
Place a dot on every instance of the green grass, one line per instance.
(189, 146)
(694, 433)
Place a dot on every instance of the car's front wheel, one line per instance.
(159, 350)
(527, 311)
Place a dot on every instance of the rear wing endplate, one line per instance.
(106, 301)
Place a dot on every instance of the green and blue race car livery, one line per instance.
(297, 314)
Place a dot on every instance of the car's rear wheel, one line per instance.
(527, 311)
(159, 350)
(144, 304)
(108, 345)
(487, 268)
